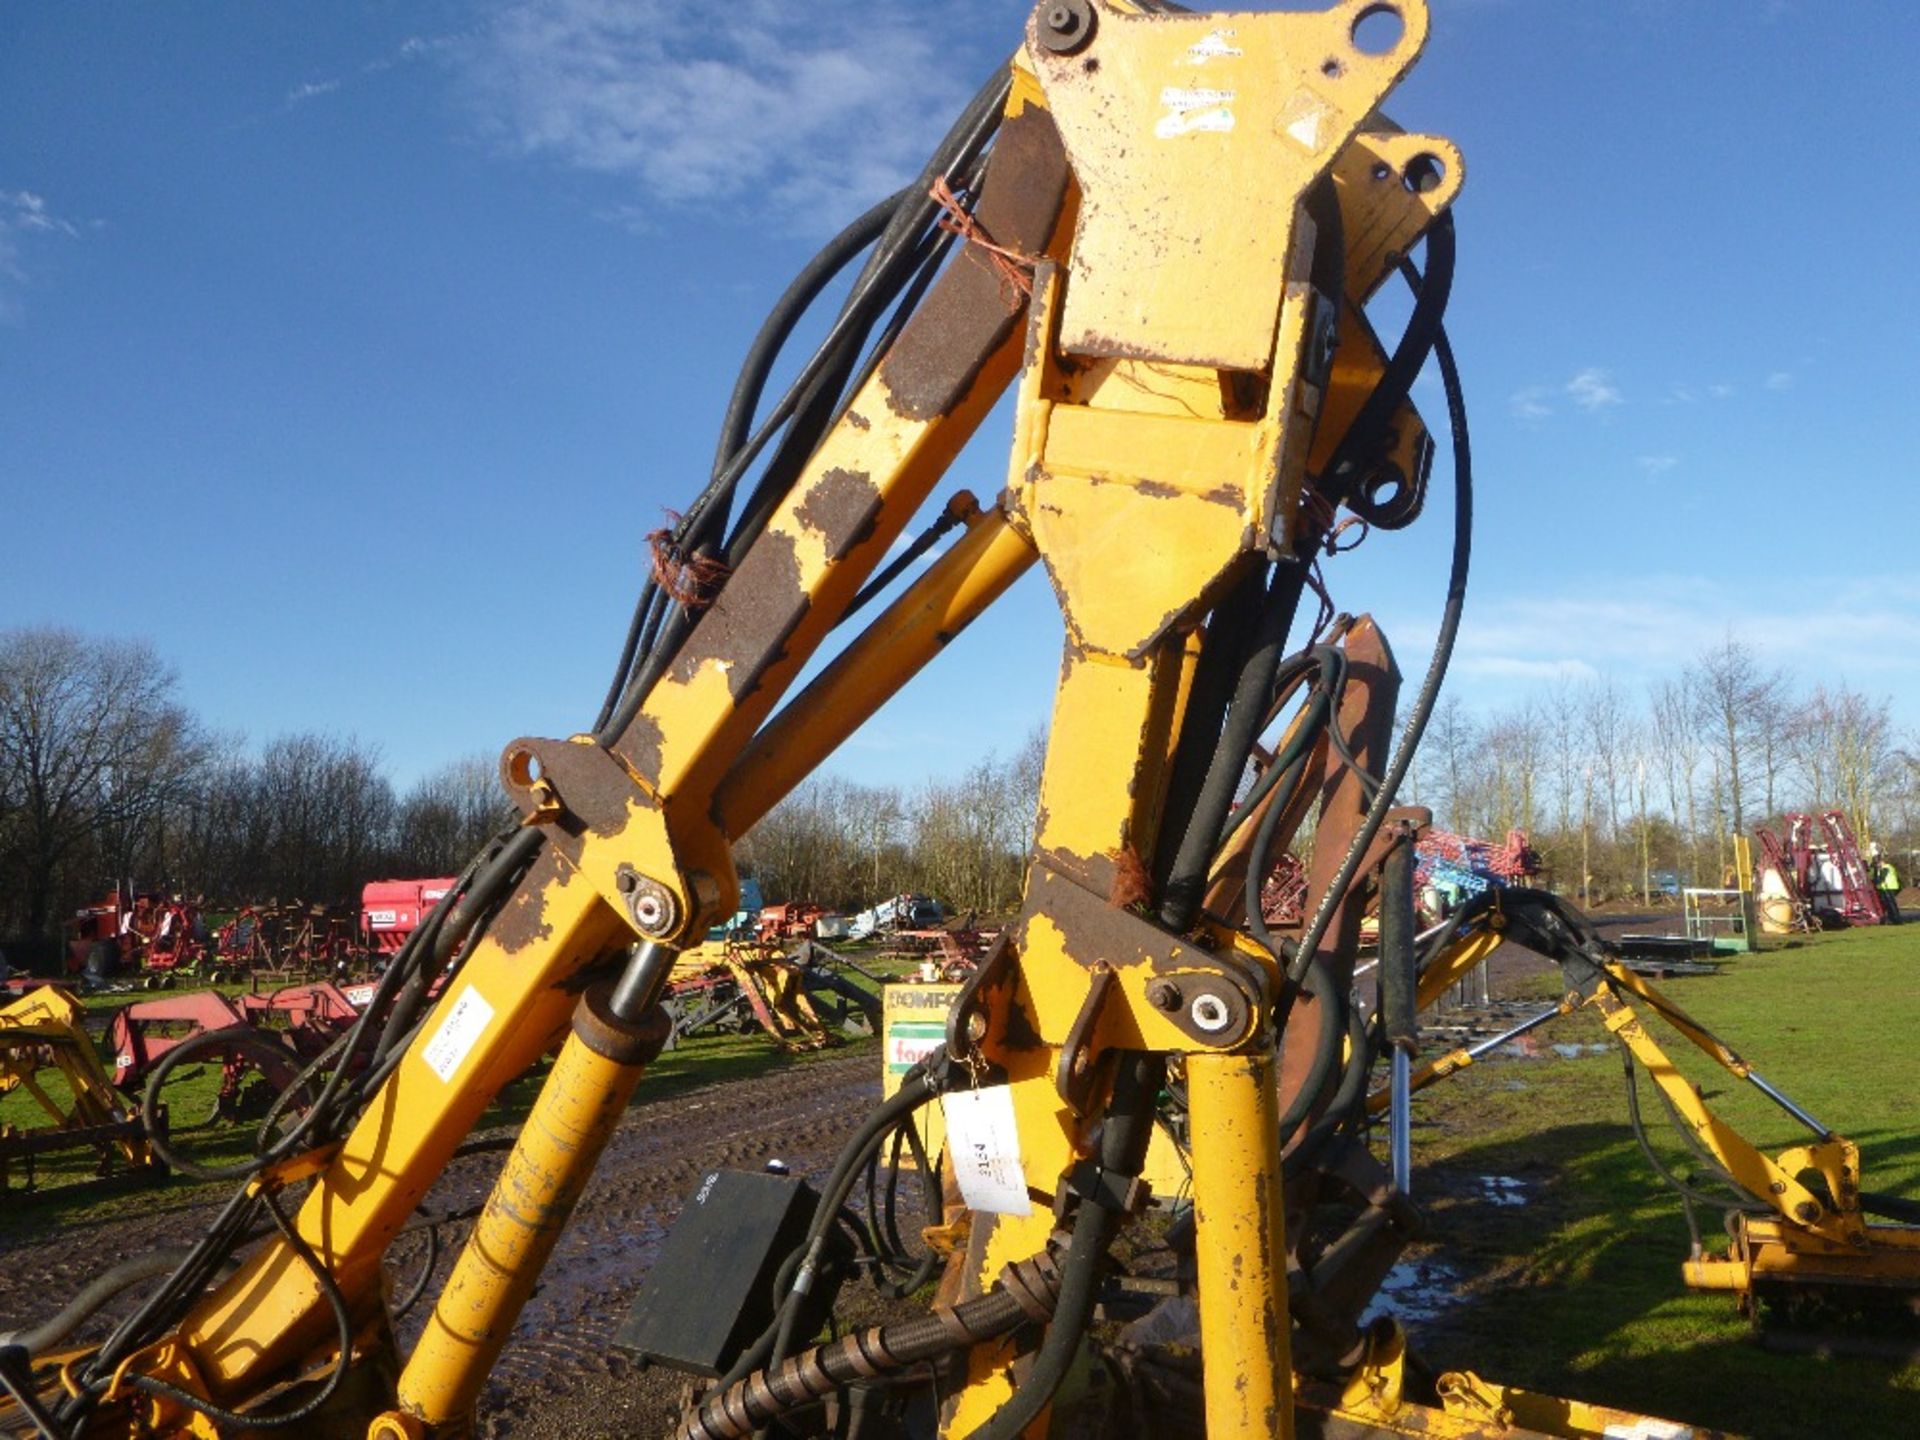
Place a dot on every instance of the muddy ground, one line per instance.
(560, 1376)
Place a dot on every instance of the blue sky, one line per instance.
(350, 350)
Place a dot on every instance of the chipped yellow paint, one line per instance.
(271, 1312)
(1192, 156)
(1240, 1245)
(580, 1103)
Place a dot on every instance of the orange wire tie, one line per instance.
(691, 580)
(1013, 267)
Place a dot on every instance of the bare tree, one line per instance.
(1454, 736)
(1607, 731)
(445, 819)
(1731, 694)
(1675, 739)
(1563, 748)
(93, 746)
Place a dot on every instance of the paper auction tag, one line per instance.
(983, 1146)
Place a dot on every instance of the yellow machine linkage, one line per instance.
(1159, 229)
(1798, 1221)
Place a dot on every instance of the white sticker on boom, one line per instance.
(1194, 109)
(457, 1033)
(983, 1145)
(1647, 1430)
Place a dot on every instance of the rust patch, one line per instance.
(1157, 490)
(858, 421)
(1132, 885)
(964, 317)
(748, 626)
(640, 744)
(841, 507)
(594, 788)
(522, 920)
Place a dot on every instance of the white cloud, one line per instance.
(1720, 390)
(786, 106)
(1865, 628)
(1512, 667)
(311, 90)
(25, 220)
(1780, 380)
(1657, 464)
(1530, 403)
(1593, 390)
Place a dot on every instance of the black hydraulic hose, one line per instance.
(231, 1039)
(188, 1279)
(110, 1284)
(871, 291)
(1306, 730)
(16, 1378)
(1123, 1149)
(1421, 338)
(935, 1211)
(1348, 1101)
(915, 1090)
(1026, 1292)
(765, 350)
(1186, 881)
(1890, 1207)
(798, 298)
(343, 1339)
(1230, 631)
(1332, 1009)
(1436, 669)
(892, 571)
(1399, 962)
(1689, 1193)
(1258, 861)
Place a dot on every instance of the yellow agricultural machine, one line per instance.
(1158, 231)
(42, 1034)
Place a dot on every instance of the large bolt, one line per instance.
(650, 911)
(1065, 25)
(1164, 995)
(1209, 1013)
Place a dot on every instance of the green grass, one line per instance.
(1578, 1292)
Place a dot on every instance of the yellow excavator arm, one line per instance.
(1160, 229)
(1798, 1220)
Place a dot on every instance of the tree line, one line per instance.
(963, 840)
(106, 776)
(1622, 784)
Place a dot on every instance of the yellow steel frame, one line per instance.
(45, 1030)
(1173, 387)
(1806, 1240)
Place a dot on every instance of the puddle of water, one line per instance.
(1415, 1291)
(1503, 1190)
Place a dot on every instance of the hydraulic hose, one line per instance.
(1332, 1007)
(771, 1346)
(1123, 1150)
(1442, 651)
(1027, 1291)
(1246, 712)
(1215, 678)
(106, 1286)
